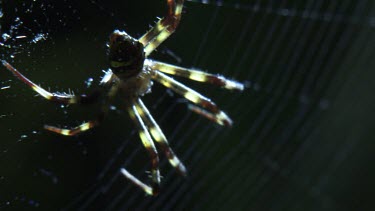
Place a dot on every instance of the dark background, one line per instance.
(303, 130)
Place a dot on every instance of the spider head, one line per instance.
(126, 54)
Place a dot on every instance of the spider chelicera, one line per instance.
(130, 76)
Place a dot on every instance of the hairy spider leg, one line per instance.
(163, 28)
(159, 137)
(195, 75)
(90, 124)
(54, 97)
(151, 149)
(220, 117)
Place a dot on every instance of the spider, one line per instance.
(130, 76)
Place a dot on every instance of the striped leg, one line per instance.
(90, 124)
(220, 117)
(195, 75)
(209, 115)
(159, 137)
(81, 128)
(150, 147)
(55, 97)
(71, 132)
(164, 27)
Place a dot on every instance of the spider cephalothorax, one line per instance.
(131, 74)
(126, 55)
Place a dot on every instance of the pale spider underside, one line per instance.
(129, 77)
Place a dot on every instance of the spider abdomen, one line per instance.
(126, 55)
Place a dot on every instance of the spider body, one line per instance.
(130, 76)
(127, 70)
(126, 55)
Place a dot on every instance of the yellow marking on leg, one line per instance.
(145, 137)
(196, 76)
(64, 132)
(140, 110)
(85, 126)
(159, 26)
(162, 36)
(165, 69)
(149, 48)
(193, 97)
(179, 9)
(42, 92)
(156, 134)
(175, 162)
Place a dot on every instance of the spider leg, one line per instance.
(151, 149)
(208, 115)
(90, 124)
(71, 132)
(159, 137)
(193, 96)
(55, 97)
(195, 75)
(163, 28)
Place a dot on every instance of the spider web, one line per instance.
(303, 129)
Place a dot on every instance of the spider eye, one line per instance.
(126, 54)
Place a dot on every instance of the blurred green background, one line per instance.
(303, 129)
